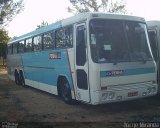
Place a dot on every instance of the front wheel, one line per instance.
(66, 92)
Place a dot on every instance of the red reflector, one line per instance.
(131, 94)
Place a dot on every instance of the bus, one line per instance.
(154, 37)
(95, 58)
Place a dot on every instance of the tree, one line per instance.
(43, 24)
(113, 6)
(9, 9)
(4, 38)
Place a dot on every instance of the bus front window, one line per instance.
(136, 36)
(153, 42)
(116, 41)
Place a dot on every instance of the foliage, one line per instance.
(113, 6)
(43, 24)
(9, 9)
(4, 38)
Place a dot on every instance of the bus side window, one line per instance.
(28, 45)
(153, 43)
(48, 41)
(64, 37)
(15, 48)
(37, 43)
(21, 47)
(80, 46)
(68, 36)
(59, 38)
(10, 49)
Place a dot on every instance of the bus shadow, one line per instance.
(147, 109)
(126, 106)
(137, 108)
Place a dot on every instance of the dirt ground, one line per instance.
(29, 107)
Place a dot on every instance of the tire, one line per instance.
(16, 76)
(21, 78)
(66, 92)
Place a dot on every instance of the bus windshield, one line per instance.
(118, 41)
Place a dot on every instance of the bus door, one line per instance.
(81, 64)
(153, 43)
(153, 38)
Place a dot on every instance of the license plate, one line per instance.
(131, 94)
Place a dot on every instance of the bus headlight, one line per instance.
(153, 89)
(108, 96)
(104, 96)
(111, 95)
(149, 90)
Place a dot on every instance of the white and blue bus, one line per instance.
(95, 58)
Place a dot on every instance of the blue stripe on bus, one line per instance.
(127, 72)
(39, 67)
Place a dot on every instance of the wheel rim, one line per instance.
(66, 92)
(22, 79)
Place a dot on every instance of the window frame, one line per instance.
(63, 39)
(52, 35)
(15, 48)
(21, 47)
(10, 46)
(33, 43)
(31, 38)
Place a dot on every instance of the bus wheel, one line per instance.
(21, 78)
(16, 76)
(66, 92)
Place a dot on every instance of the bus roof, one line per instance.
(88, 15)
(153, 23)
(77, 18)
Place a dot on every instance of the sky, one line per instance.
(37, 11)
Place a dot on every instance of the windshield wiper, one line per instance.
(144, 60)
(115, 63)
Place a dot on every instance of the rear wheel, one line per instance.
(16, 76)
(21, 78)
